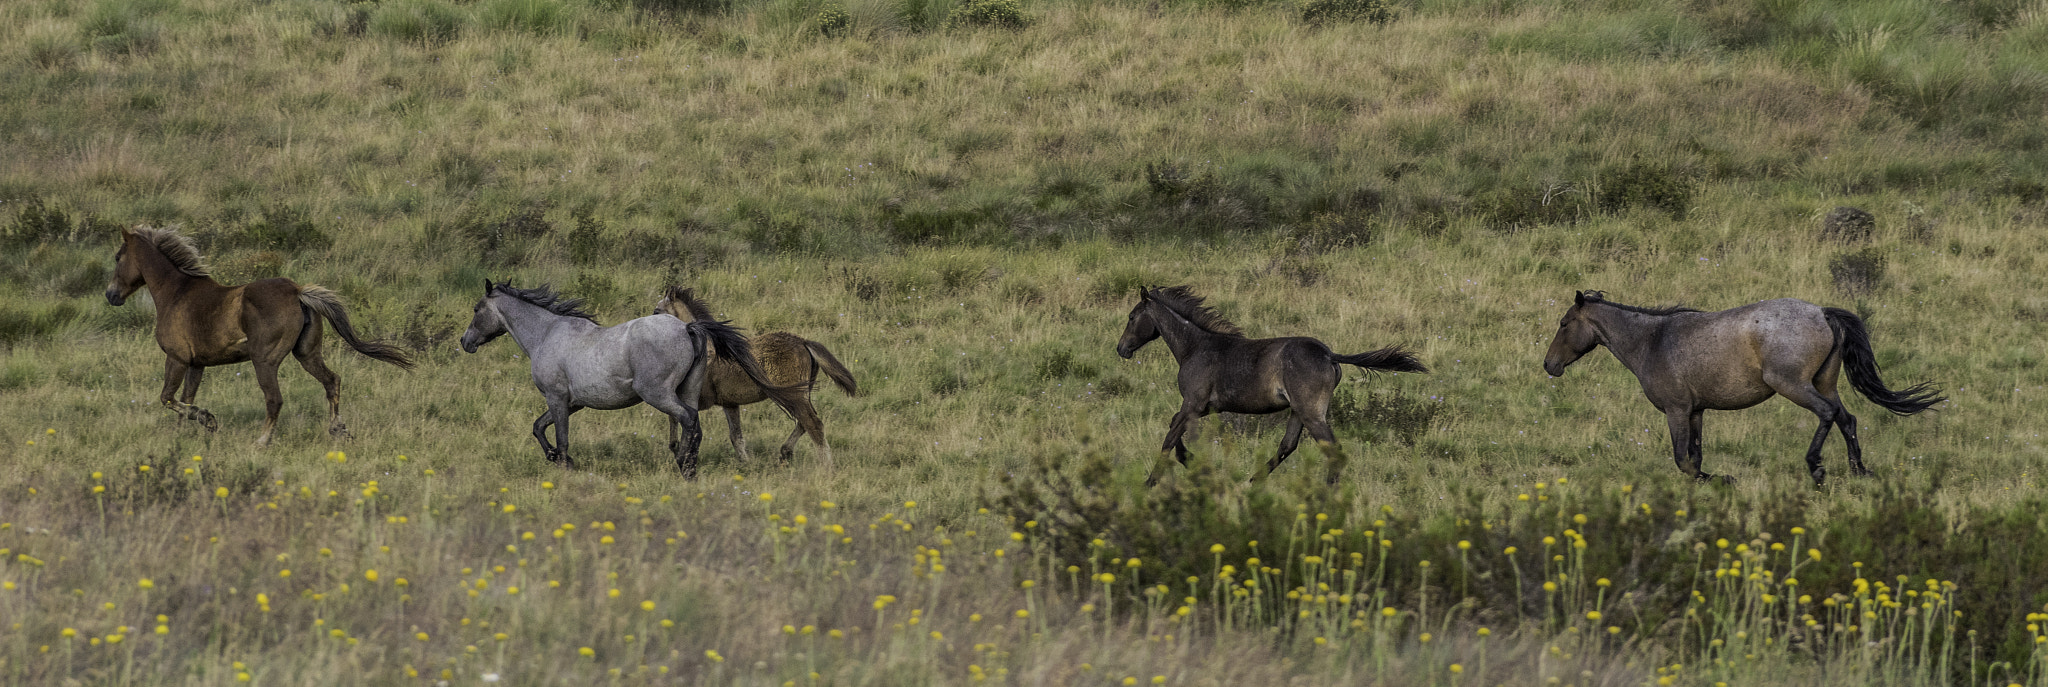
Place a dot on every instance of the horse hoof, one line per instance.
(205, 419)
(339, 431)
(787, 456)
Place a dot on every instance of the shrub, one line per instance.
(1007, 14)
(1859, 272)
(833, 20)
(1847, 225)
(52, 51)
(1323, 12)
(425, 21)
(37, 223)
(1642, 184)
(531, 16)
(284, 228)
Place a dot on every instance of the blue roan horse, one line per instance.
(577, 364)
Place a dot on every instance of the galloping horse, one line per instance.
(788, 359)
(1222, 371)
(579, 364)
(1690, 362)
(201, 323)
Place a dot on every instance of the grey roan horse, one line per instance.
(1222, 371)
(578, 364)
(1690, 362)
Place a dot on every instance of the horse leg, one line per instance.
(193, 374)
(807, 422)
(309, 358)
(682, 415)
(739, 439)
(176, 372)
(273, 397)
(540, 433)
(1319, 429)
(562, 413)
(1847, 423)
(1287, 442)
(1174, 430)
(1830, 412)
(1684, 424)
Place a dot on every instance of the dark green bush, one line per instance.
(1007, 14)
(833, 20)
(426, 21)
(1322, 12)
(1643, 184)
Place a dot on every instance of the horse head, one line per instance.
(1139, 329)
(1576, 335)
(127, 275)
(486, 323)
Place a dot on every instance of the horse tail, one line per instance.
(1861, 364)
(731, 345)
(1389, 359)
(318, 300)
(832, 367)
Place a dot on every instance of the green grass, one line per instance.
(961, 212)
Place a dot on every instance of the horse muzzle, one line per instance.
(468, 344)
(1124, 353)
(1553, 369)
(115, 297)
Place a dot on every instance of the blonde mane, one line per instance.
(176, 248)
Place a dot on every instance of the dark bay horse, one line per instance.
(788, 360)
(1690, 362)
(200, 324)
(577, 363)
(1222, 371)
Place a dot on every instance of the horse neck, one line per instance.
(529, 324)
(1182, 335)
(164, 279)
(1631, 336)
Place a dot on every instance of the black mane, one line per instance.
(1601, 298)
(546, 297)
(1183, 301)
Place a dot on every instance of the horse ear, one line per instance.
(488, 286)
(1144, 293)
(1579, 298)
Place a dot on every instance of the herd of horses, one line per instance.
(681, 359)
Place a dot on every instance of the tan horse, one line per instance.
(790, 360)
(201, 323)
(1690, 362)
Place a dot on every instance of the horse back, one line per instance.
(208, 323)
(1724, 356)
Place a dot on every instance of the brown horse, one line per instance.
(1690, 362)
(201, 323)
(789, 360)
(1222, 371)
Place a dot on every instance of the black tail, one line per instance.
(733, 346)
(1861, 365)
(327, 304)
(832, 368)
(1389, 359)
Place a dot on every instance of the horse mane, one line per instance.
(699, 310)
(1601, 298)
(1184, 302)
(546, 297)
(176, 248)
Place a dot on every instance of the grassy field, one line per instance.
(959, 200)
